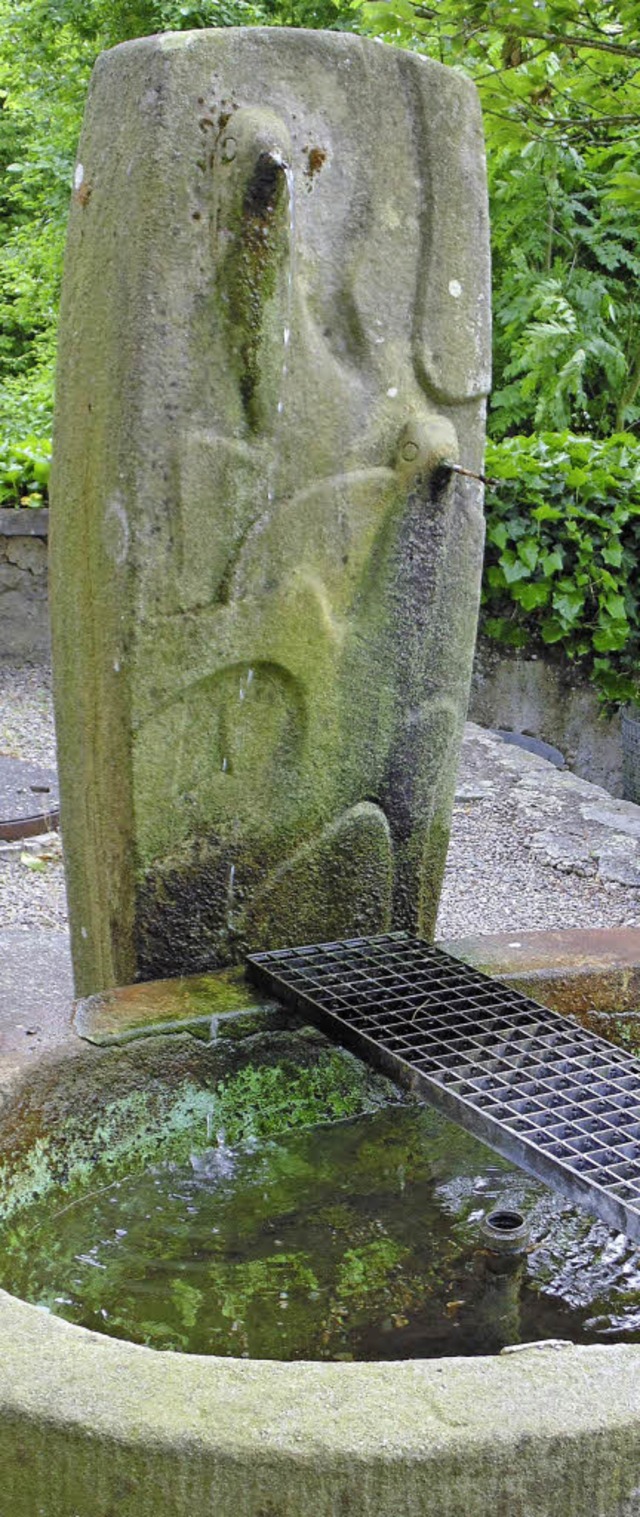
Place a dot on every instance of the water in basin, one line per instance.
(351, 1240)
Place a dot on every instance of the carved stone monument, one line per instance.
(265, 575)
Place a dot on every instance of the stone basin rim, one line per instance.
(529, 1420)
(557, 1426)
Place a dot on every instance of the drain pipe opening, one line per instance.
(505, 1233)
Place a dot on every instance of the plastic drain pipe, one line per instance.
(505, 1233)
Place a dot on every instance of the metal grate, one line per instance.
(561, 1103)
(630, 733)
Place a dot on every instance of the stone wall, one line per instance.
(24, 615)
(545, 699)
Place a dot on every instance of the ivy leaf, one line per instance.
(551, 562)
(552, 630)
(612, 554)
(568, 605)
(497, 534)
(528, 550)
(533, 595)
(547, 513)
(612, 638)
(513, 567)
(615, 606)
(497, 627)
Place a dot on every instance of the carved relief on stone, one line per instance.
(301, 584)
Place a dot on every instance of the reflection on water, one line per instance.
(357, 1240)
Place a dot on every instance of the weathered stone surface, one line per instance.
(30, 522)
(36, 991)
(28, 553)
(24, 617)
(90, 1425)
(198, 1004)
(547, 697)
(264, 577)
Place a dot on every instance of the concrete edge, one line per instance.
(29, 521)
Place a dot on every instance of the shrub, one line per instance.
(563, 545)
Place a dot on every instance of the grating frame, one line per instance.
(630, 733)
(541, 1090)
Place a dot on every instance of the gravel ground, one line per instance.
(494, 883)
(32, 891)
(495, 879)
(534, 847)
(26, 715)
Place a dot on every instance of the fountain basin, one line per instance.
(91, 1425)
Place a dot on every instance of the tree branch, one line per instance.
(624, 50)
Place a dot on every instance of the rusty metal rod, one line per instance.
(458, 469)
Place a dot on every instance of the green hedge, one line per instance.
(563, 552)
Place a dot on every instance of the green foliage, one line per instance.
(559, 90)
(44, 70)
(563, 539)
(545, 68)
(558, 84)
(24, 473)
(47, 50)
(567, 322)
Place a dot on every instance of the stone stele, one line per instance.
(265, 575)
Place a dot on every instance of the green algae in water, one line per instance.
(354, 1240)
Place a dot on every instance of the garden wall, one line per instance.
(544, 699)
(24, 613)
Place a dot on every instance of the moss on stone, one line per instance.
(252, 1087)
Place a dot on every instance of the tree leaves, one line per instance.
(561, 101)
